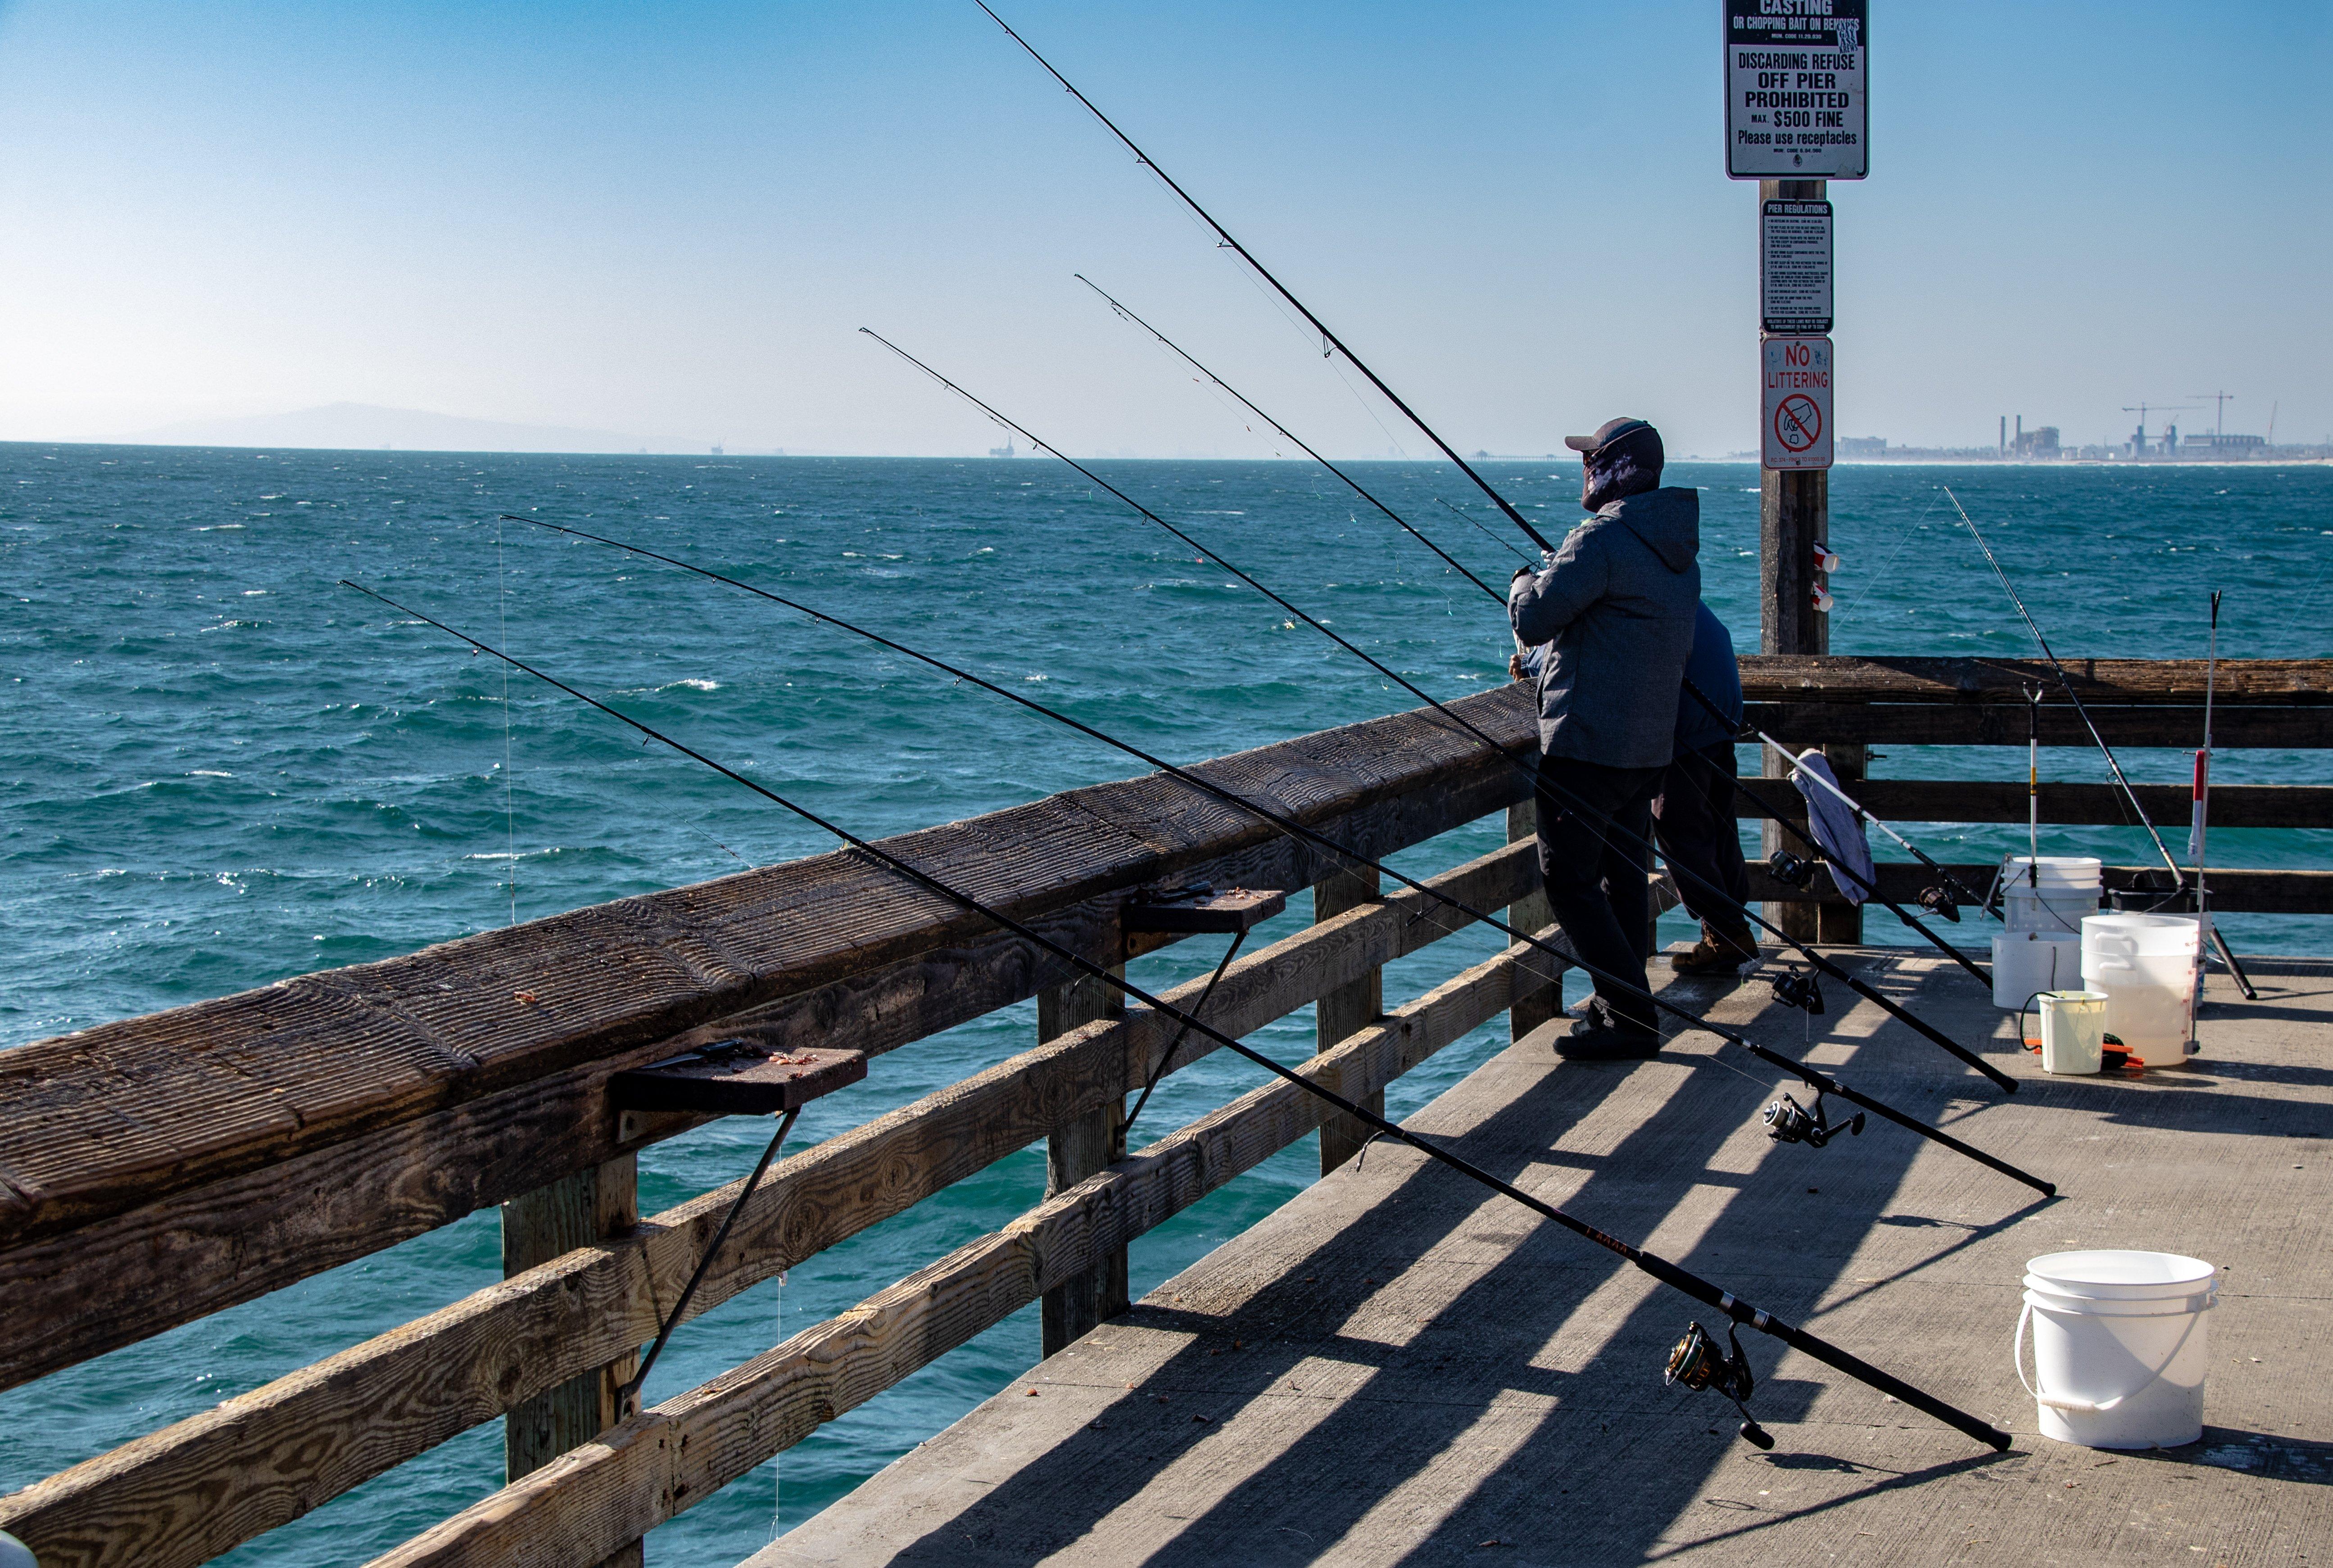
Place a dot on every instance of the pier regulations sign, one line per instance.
(1794, 255)
(1796, 78)
(1797, 405)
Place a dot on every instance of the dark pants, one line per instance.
(1694, 817)
(1595, 833)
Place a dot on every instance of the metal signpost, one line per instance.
(1797, 114)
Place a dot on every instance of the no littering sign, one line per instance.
(1797, 407)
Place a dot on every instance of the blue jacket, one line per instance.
(1615, 603)
(1712, 668)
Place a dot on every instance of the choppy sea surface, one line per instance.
(220, 768)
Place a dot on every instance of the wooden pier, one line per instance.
(160, 1169)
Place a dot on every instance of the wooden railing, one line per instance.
(1849, 704)
(160, 1169)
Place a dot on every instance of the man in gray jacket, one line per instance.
(1615, 603)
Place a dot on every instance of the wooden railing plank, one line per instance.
(2234, 891)
(670, 1458)
(194, 1489)
(1837, 677)
(2004, 800)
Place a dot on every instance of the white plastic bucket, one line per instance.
(2049, 894)
(2028, 961)
(2145, 963)
(2073, 1031)
(2118, 1346)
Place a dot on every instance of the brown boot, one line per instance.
(1719, 952)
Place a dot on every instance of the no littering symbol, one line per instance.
(1798, 422)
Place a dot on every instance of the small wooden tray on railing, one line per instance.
(736, 1078)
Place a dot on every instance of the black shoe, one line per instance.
(1601, 1035)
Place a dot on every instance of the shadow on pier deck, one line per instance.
(1400, 1367)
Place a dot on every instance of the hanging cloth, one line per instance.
(1833, 823)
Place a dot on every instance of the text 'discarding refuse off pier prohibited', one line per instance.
(1797, 409)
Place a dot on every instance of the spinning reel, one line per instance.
(1792, 870)
(1938, 901)
(1697, 1363)
(1787, 1122)
(1797, 988)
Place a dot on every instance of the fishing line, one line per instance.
(1329, 339)
(1295, 828)
(510, 805)
(2178, 878)
(1477, 521)
(1660, 1268)
(1541, 789)
(1879, 575)
(1351, 483)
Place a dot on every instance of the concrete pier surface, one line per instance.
(1401, 1367)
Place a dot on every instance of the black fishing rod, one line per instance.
(1317, 325)
(1541, 789)
(1871, 887)
(1736, 1310)
(2178, 878)
(1819, 1082)
(1353, 484)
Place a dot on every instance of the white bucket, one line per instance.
(2073, 1031)
(2049, 894)
(2027, 962)
(2145, 963)
(2118, 1346)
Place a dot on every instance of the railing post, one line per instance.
(578, 1210)
(1075, 1150)
(1842, 922)
(1539, 983)
(1347, 1010)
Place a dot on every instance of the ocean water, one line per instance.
(220, 768)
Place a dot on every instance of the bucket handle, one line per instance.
(2084, 1407)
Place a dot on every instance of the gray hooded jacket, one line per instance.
(1617, 604)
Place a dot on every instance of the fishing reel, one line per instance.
(1797, 988)
(1939, 902)
(1792, 870)
(1787, 1122)
(1698, 1363)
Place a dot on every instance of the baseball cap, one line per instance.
(1611, 430)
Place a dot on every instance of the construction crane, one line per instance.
(2220, 401)
(2139, 442)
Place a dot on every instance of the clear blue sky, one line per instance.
(668, 220)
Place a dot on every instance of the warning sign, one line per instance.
(1796, 74)
(1797, 405)
(1794, 267)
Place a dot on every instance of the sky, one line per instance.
(668, 221)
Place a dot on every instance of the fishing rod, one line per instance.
(1736, 1310)
(1225, 236)
(2199, 828)
(2178, 878)
(1354, 484)
(1817, 1080)
(1541, 788)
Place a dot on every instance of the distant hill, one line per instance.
(365, 427)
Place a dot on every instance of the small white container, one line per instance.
(2073, 1032)
(2027, 962)
(2145, 963)
(2119, 1346)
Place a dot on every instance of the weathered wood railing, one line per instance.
(1849, 704)
(160, 1169)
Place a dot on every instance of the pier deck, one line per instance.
(1401, 1367)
